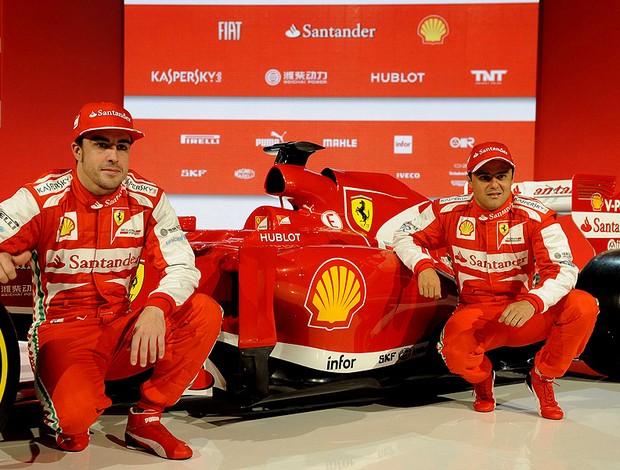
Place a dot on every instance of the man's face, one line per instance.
(102, 160)
(492, 184)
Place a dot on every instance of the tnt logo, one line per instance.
(403, 144)
(229, 30)
(485, 77)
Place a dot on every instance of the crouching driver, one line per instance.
(497, 242)
(84, 231)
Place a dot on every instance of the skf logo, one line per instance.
(596, 200)
(118, 216)
(192, 173)
(361, 209)
(67, 228)
(489, 77)
(229, 30)
(336, 293)
(466, 229)
(433, 30)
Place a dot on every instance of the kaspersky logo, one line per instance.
(336, 293)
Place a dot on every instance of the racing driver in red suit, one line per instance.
(515, 276)
(84, 231)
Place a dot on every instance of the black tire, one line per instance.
(601, 278)
(9, 365)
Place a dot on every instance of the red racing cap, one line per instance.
(99, 116)
(485, 152)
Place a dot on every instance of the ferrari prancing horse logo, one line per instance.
(119, 216)
(361, 210)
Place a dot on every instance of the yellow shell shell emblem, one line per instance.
(66, 226)
(597, 201)
(338, 290)
(433, 29)
(362, 212)
(136, 283)
(466, 228)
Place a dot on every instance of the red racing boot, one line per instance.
(483, 391)
(72, 442)
(145, 432)
(541, 387)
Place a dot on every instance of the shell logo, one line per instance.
(466, 228)
(597, 201)
(433, 30)
(66, 227)
(337, 292)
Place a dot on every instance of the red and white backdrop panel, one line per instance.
(404, 88)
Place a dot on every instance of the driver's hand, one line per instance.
(148, 339)
(429, 284)
(517, 313)
(8, 263)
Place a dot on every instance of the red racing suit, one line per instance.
(85, 254)
(516, 252)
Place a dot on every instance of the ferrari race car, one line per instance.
(316, 304)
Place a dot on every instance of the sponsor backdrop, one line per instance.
(404, 88)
